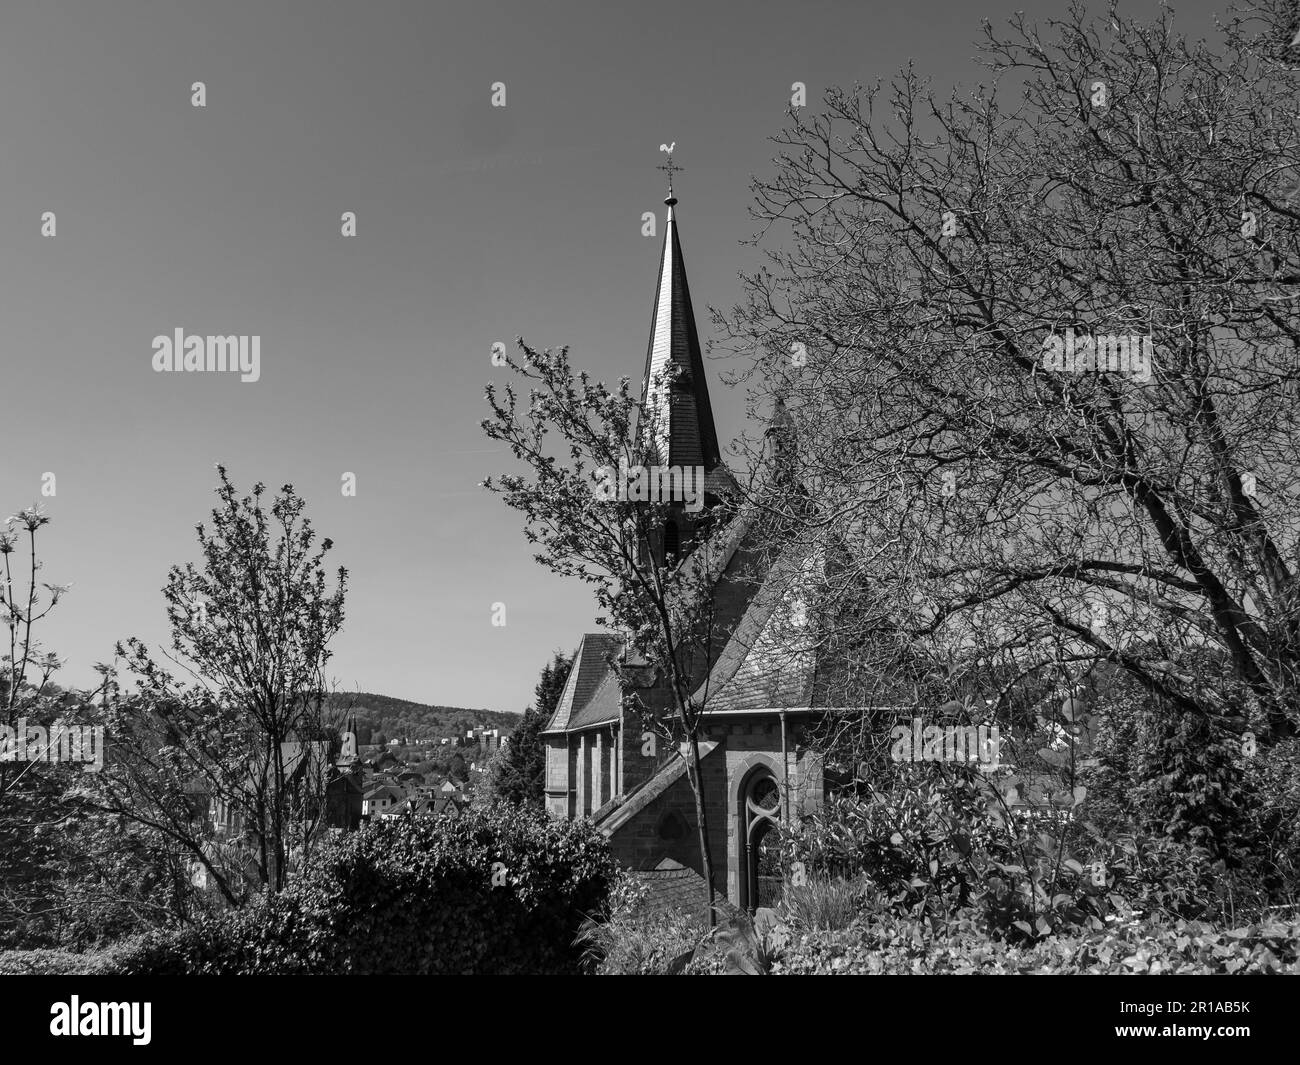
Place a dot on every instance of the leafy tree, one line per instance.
(251, 626)
(25, 786)
(69, 874)
(664, 604)
(518, 774)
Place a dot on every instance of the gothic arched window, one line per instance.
(760, 812)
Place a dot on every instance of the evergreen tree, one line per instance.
(519, 774)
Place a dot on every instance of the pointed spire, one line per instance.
(684, 431)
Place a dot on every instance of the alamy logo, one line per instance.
(102, 1018)
(61, 743)
(954, 743)
(1101, 353)
(240, 354)
(652, 484)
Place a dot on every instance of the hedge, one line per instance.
(497, 891)
(54, 962)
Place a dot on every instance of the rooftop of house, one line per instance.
(672, 886)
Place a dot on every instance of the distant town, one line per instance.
(402, 777)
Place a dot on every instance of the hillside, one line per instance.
(415, 722)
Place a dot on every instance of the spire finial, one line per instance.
(671, 168)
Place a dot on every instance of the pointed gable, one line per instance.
(590, 664)
(684, 431)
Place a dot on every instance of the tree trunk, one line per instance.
(697, 787)
(277, 820)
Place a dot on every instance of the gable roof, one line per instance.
(448, 804)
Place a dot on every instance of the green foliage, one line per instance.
(1173, 773)
(53, 962)
(748, 947)
(930, 853)
(251, 625)
(1184, 828)
(495, 891)
(875, 940)
(71, 874)
(275, 936)
(891, 945)
(824, 904)
(630, 939)
(1272, 779)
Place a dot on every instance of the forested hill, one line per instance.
(414, 722)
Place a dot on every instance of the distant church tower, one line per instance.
(680, 431)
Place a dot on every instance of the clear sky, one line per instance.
(474, 224)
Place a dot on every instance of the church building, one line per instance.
(757, 768)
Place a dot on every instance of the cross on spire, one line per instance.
(671, 168)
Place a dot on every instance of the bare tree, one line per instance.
(960, 301)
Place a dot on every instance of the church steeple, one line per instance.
(683, 418)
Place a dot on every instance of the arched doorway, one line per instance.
(760, 811)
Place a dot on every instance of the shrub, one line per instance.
(931, 848)
(50, 962)
(823, 904)
(628, 938)
(494, 891)
(886, 943)
(270, 937)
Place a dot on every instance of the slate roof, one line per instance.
(590, 666)
(672, 886)
(312, 757)
(604, 705)
(765, 664)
